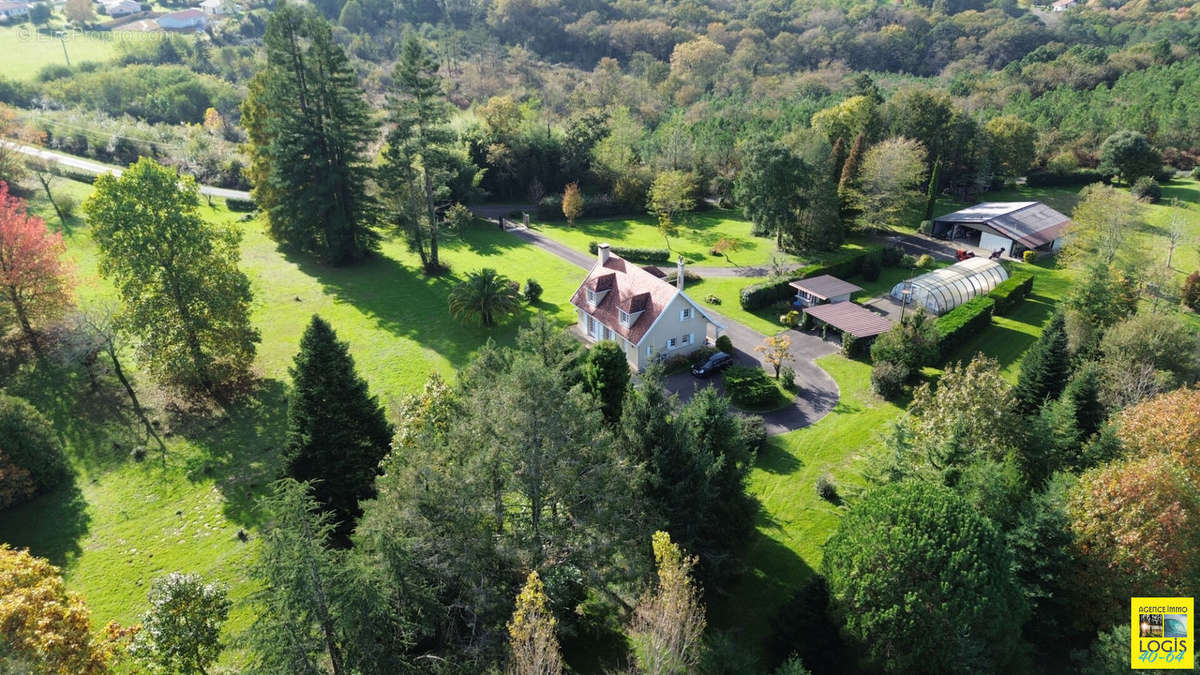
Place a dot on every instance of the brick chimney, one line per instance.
(679, 275)
(602, 251)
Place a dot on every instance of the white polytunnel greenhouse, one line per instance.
(942, 290)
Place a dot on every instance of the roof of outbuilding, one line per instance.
(851, 318)
(825, 286)
(1028, 223)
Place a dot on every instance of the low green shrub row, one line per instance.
(1010, 294)
(647, 255)
(767, 293)
(961, 323)
(750, 387)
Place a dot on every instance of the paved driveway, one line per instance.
(816, 395)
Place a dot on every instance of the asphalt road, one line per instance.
(89, 166)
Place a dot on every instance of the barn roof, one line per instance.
(1031, 224)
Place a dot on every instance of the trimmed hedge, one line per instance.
(240, 205)
(961, 323)
(1011, 293)
(767, 293)
(648, 255)
(594, 206)
(1074, 178)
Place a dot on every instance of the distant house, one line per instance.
(115, 8)
(214, 7)
(1063, 5)
(13, 10)
(1011, 226)
(648, 316)
(188, 19)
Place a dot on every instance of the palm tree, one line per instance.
(484, 294)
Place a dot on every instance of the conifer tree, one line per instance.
(309, 110)
(1044, 369)
(837, 158)
(531, 639)
(415, 159)
(1082, 394)
(853, 162)
(606, 375)
(337, 433)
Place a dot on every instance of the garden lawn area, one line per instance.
(698, 232)
(26, 52)
(123, 523)
(794, 522)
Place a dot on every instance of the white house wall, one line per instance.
(669, 326)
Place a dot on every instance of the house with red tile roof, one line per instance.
(636, 307)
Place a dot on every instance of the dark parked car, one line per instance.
(718, 361)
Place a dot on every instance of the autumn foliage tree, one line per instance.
(669, 622)
(44, 628)
(35, 281)
(1136, 524)
(1169, 423)
(531, 640)
(572, 203)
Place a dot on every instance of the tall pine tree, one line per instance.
(416, 157)
(309, 127)
(849, 178)
(1082, 395)
(1044, 369)
(337, 433)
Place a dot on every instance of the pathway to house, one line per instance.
(817, 392)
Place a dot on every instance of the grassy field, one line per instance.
(123, 522)
(26, 51)
(698, 232)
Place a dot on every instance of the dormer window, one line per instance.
(624, 317)
(591, 297)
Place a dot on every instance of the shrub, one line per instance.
(827, 489)
(1196, 172)
(806, 321)
(1147, 188)
(724, 344)
(31, 448)
(1191, 291)
(701, 355)
(788, 377)
(852, 347)
(1028, 255)
(908, 260)
(67, 204)
(710, 298)
(891, 256)
(240, 205)
(926, 227)
(647, 255)
(791, 319)
(925, 261)
(1066, 178)
(871, 268)
(912, 343)
(963, 322)
(887, 379)
(1010, 293)
(750, 386)
(533, 291)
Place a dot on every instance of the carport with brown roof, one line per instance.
(851, 318)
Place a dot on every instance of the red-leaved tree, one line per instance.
(35, 280)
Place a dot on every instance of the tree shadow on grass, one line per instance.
(240, 450)
(774, 458)
(1183, 192)
(51, 526)
(406, 303)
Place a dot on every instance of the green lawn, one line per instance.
(26, 51)
(123, 522)
(697, 234)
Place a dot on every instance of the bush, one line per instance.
(1191, 291)
(646, 255)
(724, 344)
(1028, 256)
(533, 291)
(852, 347)
(791, 319)
(1196, 173)
(594, 206)
(1009, 294)
(887, 379)
(240, 205)
(1147, 188)
(750, 387)
(925, 261)
(926, 227)
(710, 298)
(788, 377)
(827, 489)
(908, 260)
(31, 452)
(1066, 179)
(962, 323)
(66, 204)
(871, 268)
(806, 321)
(891, 256)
